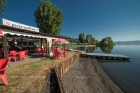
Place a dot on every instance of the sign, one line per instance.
(19, 25)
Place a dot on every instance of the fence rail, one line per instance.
(63, 68)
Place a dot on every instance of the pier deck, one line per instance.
(107, 56)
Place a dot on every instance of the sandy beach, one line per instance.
(87, 76)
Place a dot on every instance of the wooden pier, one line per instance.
(107, 56)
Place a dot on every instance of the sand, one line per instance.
(87, 76)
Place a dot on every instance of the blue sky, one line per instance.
(119, 19)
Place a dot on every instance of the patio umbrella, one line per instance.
(1, 33)
(60, 41)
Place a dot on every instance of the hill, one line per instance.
(136, 42)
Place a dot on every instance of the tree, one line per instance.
(2, 6)
(82, 38)
(89, 39)
(94, 41)
(107, 41)
(48, 18)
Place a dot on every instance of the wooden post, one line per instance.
(62, 68)
(41, 42)
(21, 42)
(5, 52)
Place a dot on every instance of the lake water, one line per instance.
(125, 74)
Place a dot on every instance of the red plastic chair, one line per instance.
(44, 51)
(64, 52)
(57, 54)
(39, 51)
(13, 55)
(53, 50)
(21, 55)
(3, 64)
(26, 53)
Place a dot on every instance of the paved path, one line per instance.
(86, 76)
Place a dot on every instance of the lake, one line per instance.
(125, 74)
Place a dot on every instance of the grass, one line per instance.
(31, 77)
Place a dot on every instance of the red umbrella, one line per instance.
(1, 33)
(60, 41)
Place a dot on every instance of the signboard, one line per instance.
(19, 25)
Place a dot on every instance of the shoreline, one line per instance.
(87, 76)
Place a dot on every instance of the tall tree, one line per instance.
(82, 38)
(48, 18)
(2, 6)
(89, 38)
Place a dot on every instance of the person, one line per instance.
(15, 43)
(35, 44)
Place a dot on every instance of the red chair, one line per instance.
(57, 54)
(64, 52)
(21, 55)
(3, 64)
(26, 53)
(13, 55)
(44, 51)
(53, 50)
(39, 51)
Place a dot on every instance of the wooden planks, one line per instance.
(107, 56)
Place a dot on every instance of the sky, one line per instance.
(118, 19)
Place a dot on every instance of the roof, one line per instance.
(23, 32)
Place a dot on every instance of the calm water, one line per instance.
(125, 74)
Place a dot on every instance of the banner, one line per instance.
(19, 25)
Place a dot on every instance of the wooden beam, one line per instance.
(41, 42)
(5, 51)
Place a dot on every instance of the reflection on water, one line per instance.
(91, 49)
(105, 49)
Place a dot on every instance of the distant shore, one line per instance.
(81, 46)
(87, 76)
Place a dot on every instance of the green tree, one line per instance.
(107, 41)
(2, 6)
(89, 39)
(94, 41)
(48, 18)
(82, 38)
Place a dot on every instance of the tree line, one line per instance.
(89, 39)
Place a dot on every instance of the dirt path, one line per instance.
(86, 76)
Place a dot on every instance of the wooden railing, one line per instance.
(63, 68)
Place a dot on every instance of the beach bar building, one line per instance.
(23, 35)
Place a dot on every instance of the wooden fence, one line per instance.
(62, 68)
